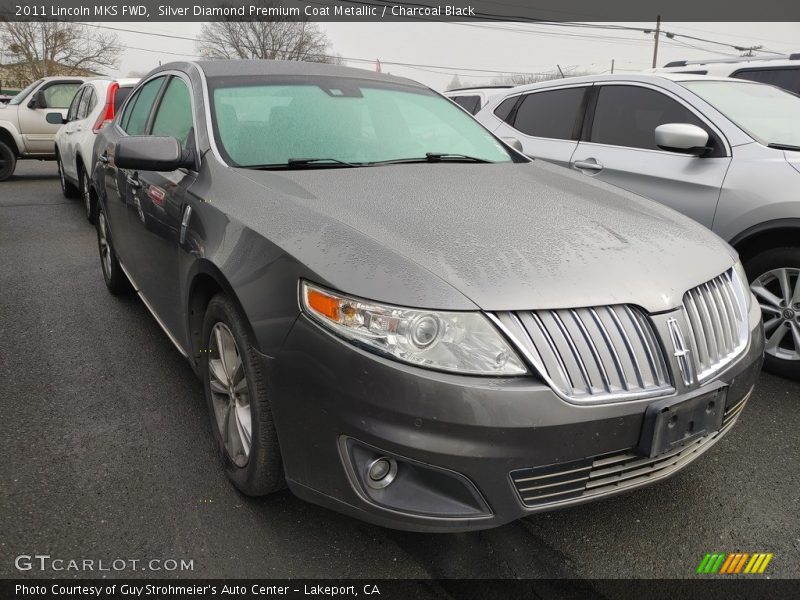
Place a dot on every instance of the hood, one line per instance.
(514, 236)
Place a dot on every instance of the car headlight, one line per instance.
(738, 270)
(460, 342)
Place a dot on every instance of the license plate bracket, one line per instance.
(674, 422)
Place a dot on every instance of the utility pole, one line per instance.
(560, 71)
(657, 34)
(612, 66)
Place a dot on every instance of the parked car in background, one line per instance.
(472, 99)
(24, 130)
(782, 71)
(94, 106)
(401, 317)
(722, 151)
(5, 99)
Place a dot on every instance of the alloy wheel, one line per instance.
(778, 293)
(229, 394)
(105, 245)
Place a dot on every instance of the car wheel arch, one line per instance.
(7, 138)
(205, 280)
(763, 236)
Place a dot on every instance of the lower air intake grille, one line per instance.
(601, 475)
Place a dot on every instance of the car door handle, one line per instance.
(187, 214)
(588, 165)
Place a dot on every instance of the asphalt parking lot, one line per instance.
(107, 454)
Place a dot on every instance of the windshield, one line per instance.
(24, 93)
(341, 122)
(769, 114)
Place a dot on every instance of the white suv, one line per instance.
(94, 105)
(783, 71)
(472, 99)
(24, 130)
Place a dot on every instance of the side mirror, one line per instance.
(38, 101)
(514, 143)
(151, 153)
(55, 118)
(682, 137)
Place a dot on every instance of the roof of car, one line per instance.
(123, 81)
(479, 88)
(634, 77)
(233, 68)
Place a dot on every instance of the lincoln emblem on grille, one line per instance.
(681, 351)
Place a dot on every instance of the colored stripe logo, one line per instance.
(734, 563)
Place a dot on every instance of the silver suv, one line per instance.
(783, 71)
(722, 151)
(24, 129)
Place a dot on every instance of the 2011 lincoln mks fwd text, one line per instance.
(401, 317)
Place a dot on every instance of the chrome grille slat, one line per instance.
(570, 342)
(556, 474)
(717, 317)
(592, 354)
(592, 349)
(628, 345)
(620, 369)
(553, 349)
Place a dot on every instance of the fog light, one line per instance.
(381, 472)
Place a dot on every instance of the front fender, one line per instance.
(11, 128)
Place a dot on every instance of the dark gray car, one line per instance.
(400, 317)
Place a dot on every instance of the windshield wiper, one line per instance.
(433, 157)
(784, 147)
(437, 156)
(304, 162)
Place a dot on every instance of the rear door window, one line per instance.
(134, 121)
(555, 114)
(72, 113)
(628, 116)
(787, 78)
(85, 107)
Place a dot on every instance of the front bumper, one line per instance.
(462, 440)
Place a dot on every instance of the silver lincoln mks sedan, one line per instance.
(402, 318)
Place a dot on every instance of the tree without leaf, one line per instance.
(278, 38)
(35, 49)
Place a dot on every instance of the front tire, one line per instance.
(235, 386)
(68, 189)
(8, 161)
(774, 276)
(115, 278)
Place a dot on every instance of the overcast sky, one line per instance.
(455, 48)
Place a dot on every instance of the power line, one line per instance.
(331, 56)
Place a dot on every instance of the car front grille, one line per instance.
(595, 353)
(717, 316)
(610, 473)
